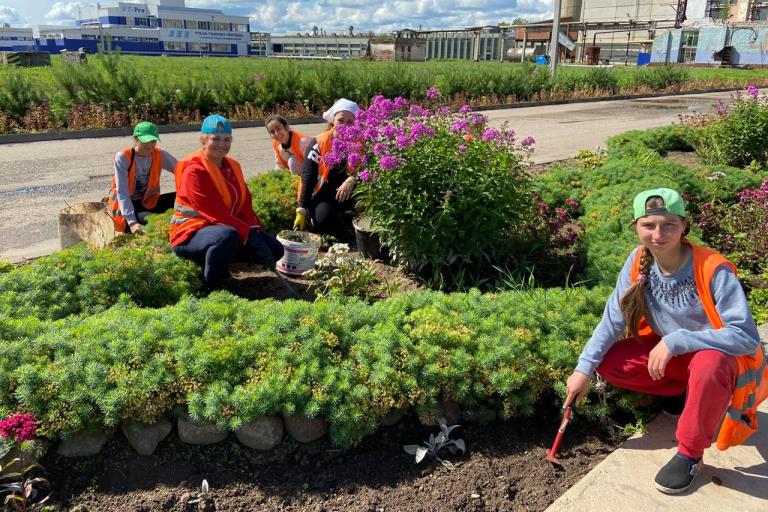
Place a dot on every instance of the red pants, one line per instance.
(708, 376)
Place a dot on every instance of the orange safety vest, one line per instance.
(752, 381)
(151, 195)
(296, 139)
(186, 219)
(325, 145)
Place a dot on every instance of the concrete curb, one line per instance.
(18, 138)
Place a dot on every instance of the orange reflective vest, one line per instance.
(325, 145)
(752, 381)
(296, 150)
(151, 195)
(186, 219)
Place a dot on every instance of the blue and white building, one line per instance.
(153, 27)
(16, 39)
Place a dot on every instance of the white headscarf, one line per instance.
(340, 105)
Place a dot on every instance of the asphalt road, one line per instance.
(37, 179)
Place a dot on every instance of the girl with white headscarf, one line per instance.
(326, 192)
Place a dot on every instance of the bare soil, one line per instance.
(503, 470)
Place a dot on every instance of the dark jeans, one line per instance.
(215, 247)
(164, 203)
(328, 214)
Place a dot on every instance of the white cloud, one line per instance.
(291, 16)
(64, 13)
(10, 16)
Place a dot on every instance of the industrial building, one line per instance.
(156, 27)
(716, 33)
(317, 44)
(16, 39)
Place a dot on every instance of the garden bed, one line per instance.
(503, 469)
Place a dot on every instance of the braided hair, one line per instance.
(633, 305)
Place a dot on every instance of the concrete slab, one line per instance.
(735, 480)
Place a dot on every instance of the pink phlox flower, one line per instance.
(528, 141)
(400, 102)
(388, 162)
(476, 119)
(465, 109)
(371, 133)
(490, 134)
(561, 213)
(572, 202)
(418, 111)
(462, 148)
(356, 159)
(419, 130)
(365, 175)
(402, 141)
(753, 91)
(433, 93)
(19, 428)
(332, 159)
(459, 125)
(379, 148)
(442, 111)
(389, 131)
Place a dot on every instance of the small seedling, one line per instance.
(203, 494)
(436, 443)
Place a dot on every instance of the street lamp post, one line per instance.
(554, 43)
(101, 32)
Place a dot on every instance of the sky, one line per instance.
(300, 16)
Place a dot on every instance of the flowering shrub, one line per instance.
(736, 133)
(18, 428)
(739, 231)
(446, 192)
(338, 275)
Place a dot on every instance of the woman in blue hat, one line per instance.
(213, 221)
(690, 332)
(135, 192)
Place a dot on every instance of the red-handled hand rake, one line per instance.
(552, 452)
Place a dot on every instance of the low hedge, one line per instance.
(229, 360)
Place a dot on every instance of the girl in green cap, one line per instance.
(135, 192)
(690, 332)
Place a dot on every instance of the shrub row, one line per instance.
(106, 92)
(634, 163)
(229, 360)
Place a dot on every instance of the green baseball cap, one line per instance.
(673, 203)
(146, 132)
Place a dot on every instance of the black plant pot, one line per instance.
(367, 241)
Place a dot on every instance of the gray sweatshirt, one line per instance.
(143, 164)
(678, 316)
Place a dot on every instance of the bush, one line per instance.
(740, 230)
(229, 360)
(735, 135)
(82, 280)
(274, 199)
(658, 78)
(18, 94)
(447, 195)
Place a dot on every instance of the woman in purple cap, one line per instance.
(135, 192)
(213, 221)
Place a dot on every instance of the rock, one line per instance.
(392, 417)
(26, 457)
(143, 437)
(263, 433)
(79, 508)
(84, 443)
(305, 430)
(199, 432)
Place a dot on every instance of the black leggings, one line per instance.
(164, 202)
(328, 214)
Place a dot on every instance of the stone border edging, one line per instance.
(17, 138)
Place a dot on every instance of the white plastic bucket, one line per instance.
(300, 251)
